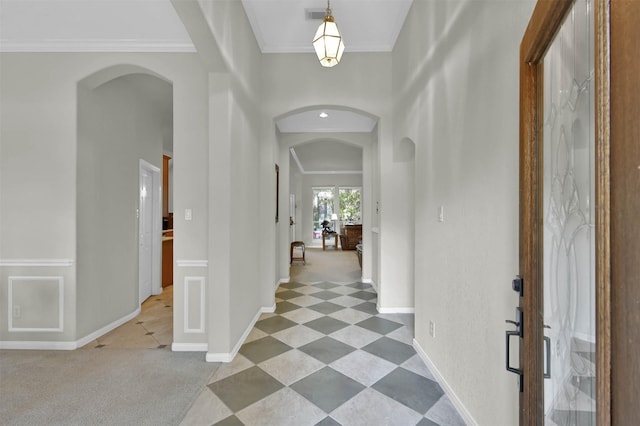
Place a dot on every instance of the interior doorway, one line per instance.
(149, 231)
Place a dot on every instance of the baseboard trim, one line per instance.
(189, 347)
(68, 346)
(462, 410)
(104, 330)
(228, 357)
(396, 310)
(268, 309)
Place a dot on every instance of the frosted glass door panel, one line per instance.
(569, 222)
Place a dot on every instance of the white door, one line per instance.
(149, 232)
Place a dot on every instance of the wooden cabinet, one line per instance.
(167, 258)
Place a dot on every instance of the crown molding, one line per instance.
(96, 45)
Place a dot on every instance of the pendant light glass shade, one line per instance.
(328, 42)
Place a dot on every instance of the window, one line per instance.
(350, 212)
(322, 209)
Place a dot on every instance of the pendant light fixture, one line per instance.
(328, 41)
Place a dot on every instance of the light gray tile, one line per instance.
(418, 366)
(347, 301)
(363, 367)
(372, 408)
(305, 300)
(355, 336)
(350, 316)
(302, 315)
(403, 334)
(283, 408)
(445, 413)
(291, 366)
(298, 336)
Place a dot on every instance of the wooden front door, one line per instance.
(614, 203)
(567, 232)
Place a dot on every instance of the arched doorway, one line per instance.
(125, 125)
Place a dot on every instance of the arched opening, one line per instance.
(125, 126)
(328, 149)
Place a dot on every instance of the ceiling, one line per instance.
(284, 26)
(280, 26)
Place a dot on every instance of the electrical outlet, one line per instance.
(432, 329)
(17, 311)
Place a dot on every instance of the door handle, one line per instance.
(510, 369)
(508, 334)
(547, 351)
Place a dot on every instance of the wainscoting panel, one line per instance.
(36, 303)
(194, 298)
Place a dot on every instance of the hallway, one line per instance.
(325, 357)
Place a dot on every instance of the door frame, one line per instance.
(544, 25)
(156, 235)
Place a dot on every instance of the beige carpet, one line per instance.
(126, 386)
(329, 265)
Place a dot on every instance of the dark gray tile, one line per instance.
(326, 308)
(289, 294)
(326, 325)
(327, 388)
(245, 388)
(291, 285)
(364, 295)
(391, 350)
(325, 295)
(410, 389)
(328, 421)
(361, 286)
(263, 349)
(379, 325)
(326, 349)
(326, 285)
(275, 324)
(230, 421)
(427, 422)
(367, 307)
(282, 307)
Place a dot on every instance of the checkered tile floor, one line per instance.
(325, 357)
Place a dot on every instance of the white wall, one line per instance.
(455, 81)
(236, 293)
(38, 139)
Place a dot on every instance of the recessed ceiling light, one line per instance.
(323, 115)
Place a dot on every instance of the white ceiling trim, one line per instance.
(323, 172)
(84, 46)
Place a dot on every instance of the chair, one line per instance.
(294, 245)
